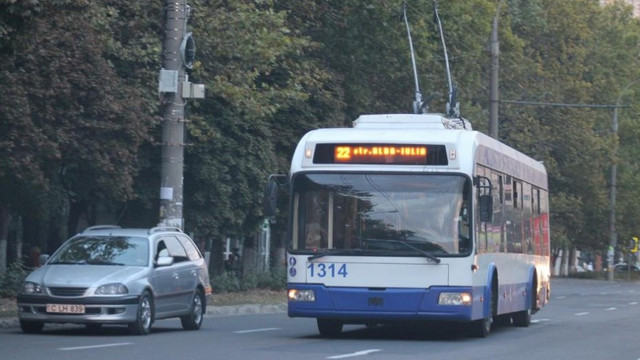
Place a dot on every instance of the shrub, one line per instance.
(11, 281)
(230, 282)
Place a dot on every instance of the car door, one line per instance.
(164, 280)
(183, 274)
(196, 261)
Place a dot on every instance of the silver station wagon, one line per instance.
(111, 275)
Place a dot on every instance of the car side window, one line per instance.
(176, 250)
(161, 250)
(192, 251)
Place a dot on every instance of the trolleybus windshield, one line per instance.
(381, 214)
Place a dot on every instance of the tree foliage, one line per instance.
(79, 105)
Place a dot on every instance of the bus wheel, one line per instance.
(481, 328)
(329, 327)
(522, 318)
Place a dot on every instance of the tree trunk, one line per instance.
(216, 261)
(564, 267)
(19, 238)
(279, 253)
(5, 218)
(249, 255)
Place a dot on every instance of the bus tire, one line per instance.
(481, 328)
(523, 318)
(329, 327)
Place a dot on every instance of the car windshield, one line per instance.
(103, 250)
(385, 214)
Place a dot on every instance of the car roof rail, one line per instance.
(101, 227)
(164, 228)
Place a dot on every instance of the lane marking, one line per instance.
(254, 330)
(94, 346)
(539, 320)
(610, 309)
(357, 353)
(633, 303)
(581, 314)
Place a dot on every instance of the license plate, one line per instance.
(65, 309)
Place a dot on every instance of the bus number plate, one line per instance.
(324, 270)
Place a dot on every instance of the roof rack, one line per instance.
(101, 227)
(164, 228)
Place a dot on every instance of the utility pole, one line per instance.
(493, 89)
(178, 55)
(613, 233)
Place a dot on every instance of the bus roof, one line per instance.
(465, 148)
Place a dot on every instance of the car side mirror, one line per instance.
(164, 261)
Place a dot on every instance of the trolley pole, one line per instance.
(174, 87)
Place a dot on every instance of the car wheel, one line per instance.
(31, 327)
(329, 327)
(144, 316)
(194, 319)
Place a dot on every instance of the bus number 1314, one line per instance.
(322, 270)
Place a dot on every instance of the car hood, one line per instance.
(84, 275)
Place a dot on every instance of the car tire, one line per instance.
(31, 327)
(144, 316)
(194, 319)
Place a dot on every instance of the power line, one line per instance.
(537, 103)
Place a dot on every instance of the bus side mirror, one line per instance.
(270, 199)
(486, 208)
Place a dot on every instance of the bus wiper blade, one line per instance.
(412, 247)
(426, 254)
(334, 252)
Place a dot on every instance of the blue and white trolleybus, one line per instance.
(412, 217)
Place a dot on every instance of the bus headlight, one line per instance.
(301, 295)
(446, 298)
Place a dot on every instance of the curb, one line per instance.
(212, 311)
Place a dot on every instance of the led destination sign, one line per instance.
(400, 154)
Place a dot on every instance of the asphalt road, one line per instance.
(586, 319)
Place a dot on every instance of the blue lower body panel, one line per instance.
(361, 305)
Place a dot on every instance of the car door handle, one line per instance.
(176, 276)
(194, 273)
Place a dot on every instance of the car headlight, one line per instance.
(301, 295)
(112, 289)
(454, 298)
(31, 288)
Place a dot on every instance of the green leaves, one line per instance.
(79, 103)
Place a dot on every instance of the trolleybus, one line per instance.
(414, 217)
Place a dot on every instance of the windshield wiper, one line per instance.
(426, 254)
(412, 247)
(334, 252)
(67, 263)
(102, 262)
